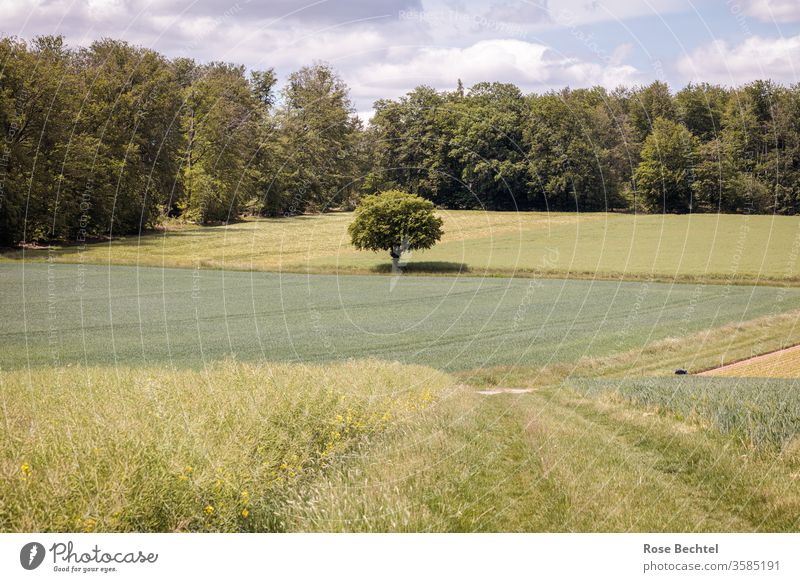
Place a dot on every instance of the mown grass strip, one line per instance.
(761, 489)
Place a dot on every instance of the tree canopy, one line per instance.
(664, 176)
(395, 221)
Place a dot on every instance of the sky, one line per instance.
(383, 48)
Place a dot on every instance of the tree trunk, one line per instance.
(395, 254)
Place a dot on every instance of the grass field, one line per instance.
(555, 460)
(367, 446)
(715, 248)
(66, 314)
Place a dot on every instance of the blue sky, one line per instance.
(383, 48)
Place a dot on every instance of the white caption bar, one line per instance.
(349, 557)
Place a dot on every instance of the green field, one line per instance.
(149, 449)
(66, 314)
(716, 248)
(295, 390)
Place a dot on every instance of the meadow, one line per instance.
(555, 459)
(367, 446)
(276, 383)
(701, 247)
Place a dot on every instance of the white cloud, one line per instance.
(774, 10)
(532, 66)
(755, 58)
(407, 43)
(448, 17)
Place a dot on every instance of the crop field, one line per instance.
(761, 412)
(781, 364)
(716, 248)
(69, 314)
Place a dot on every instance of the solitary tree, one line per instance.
(395, 221)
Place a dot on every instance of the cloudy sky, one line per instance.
(382, 48)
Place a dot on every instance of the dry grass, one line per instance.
(784, 363)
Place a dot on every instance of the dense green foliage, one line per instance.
(395, 221)
(111, 138)
(703, 149)
(664, 176)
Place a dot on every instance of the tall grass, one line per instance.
(121, 449)
(764, 413)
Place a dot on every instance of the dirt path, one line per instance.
(501, 390)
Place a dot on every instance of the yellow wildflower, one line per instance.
(245, 513)
(209, 509)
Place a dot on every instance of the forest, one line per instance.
(112, 138)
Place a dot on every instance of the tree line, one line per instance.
(113, 138)
(704, 149)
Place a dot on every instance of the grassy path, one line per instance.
(552, 460)
(555, 459)
(644, 471)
